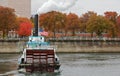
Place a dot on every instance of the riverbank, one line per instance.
(73, 46)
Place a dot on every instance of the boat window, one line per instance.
(36, 39)
(56, 59)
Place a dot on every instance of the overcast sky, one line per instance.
(82, 6)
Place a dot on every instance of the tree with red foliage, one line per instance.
(25, 27)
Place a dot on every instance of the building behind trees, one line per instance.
(22, 7)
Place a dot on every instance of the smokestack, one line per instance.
(35, 32)
(51, 5)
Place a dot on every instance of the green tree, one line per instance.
(98, 25)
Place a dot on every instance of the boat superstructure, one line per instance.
(39, 55)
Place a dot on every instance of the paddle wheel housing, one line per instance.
(40, 60)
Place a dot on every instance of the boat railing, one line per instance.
(42, 47)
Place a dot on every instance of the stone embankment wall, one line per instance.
(76, 47)
(11, 46)
(87, 45)
(16, 46)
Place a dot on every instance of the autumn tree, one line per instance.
(25, 27)
(73, 23)
(84, 18)
(118, 22)
(118, 25)
(88, 22)
(7, 20)
(112, 16)
(52, 21)
(98, 25)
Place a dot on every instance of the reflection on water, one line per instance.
(77, 64)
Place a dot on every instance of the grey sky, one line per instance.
(82, 6)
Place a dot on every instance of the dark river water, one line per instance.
(72, 64)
